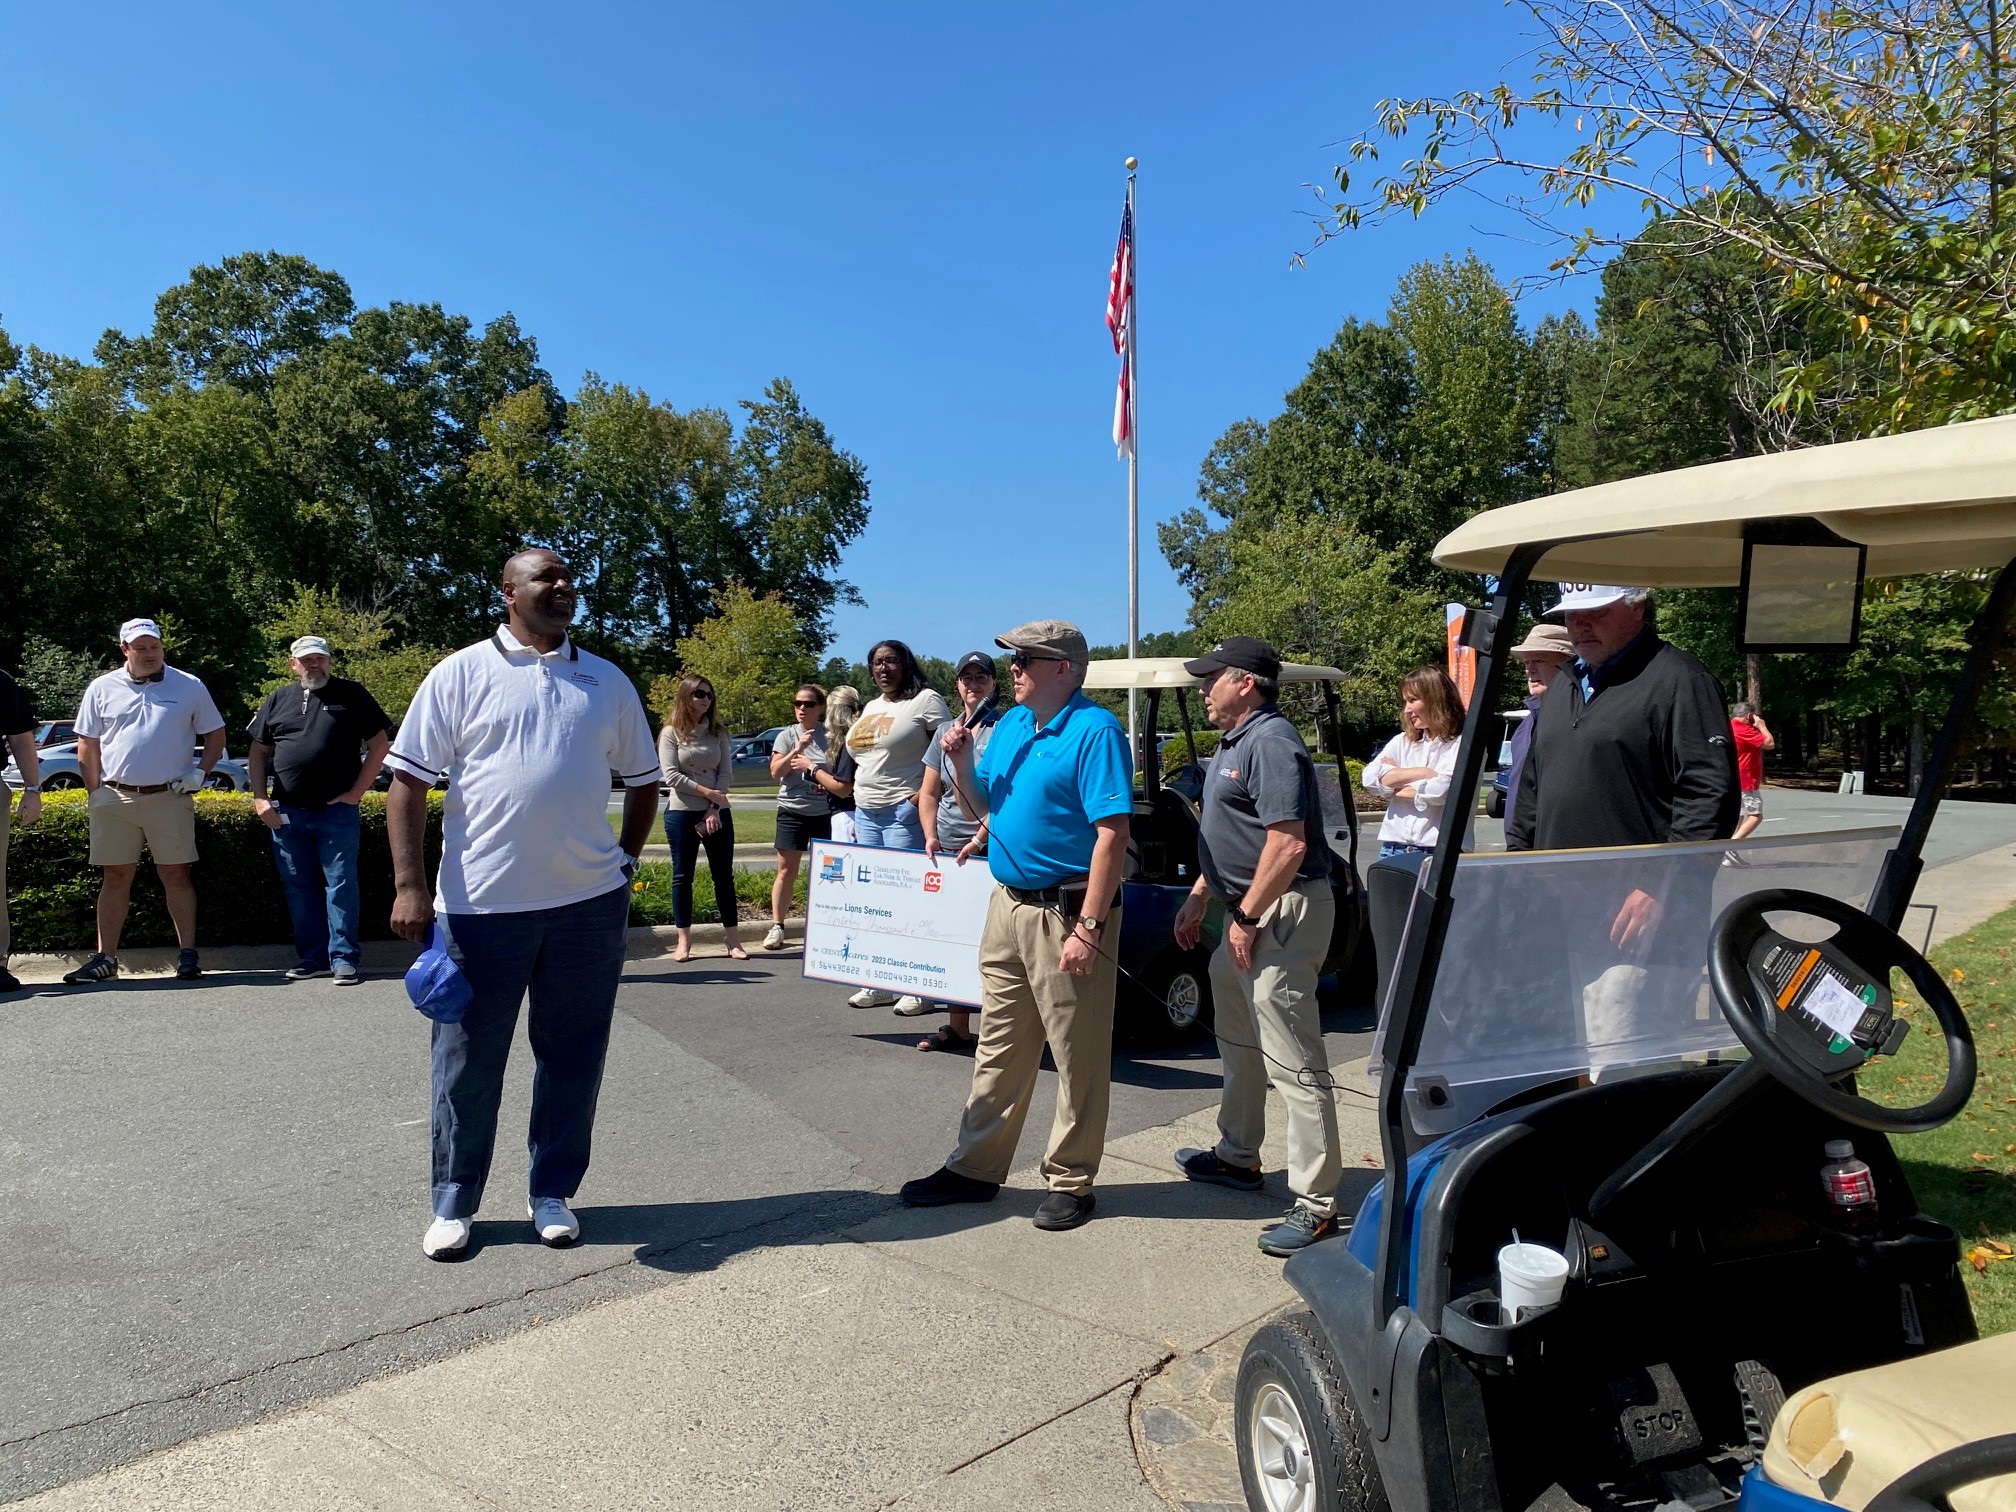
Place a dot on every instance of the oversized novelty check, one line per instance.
(893, 920)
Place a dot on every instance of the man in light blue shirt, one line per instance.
(1056, 788)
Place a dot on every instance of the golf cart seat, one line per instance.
(1842, 1441)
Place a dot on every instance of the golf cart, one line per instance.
(1167, 990)
(1656, 1115)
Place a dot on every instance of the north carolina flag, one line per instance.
(1120, 321)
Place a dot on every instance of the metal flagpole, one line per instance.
(1133, 477)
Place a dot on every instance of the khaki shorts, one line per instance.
(1750, 801)
(121, 823)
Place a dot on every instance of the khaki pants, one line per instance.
(1273, 1007)
(1026, 998)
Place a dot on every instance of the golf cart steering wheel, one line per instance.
(1811, 1014)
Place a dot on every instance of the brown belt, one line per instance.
(151, 787)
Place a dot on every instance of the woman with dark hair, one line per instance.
(698, 760)
(1414, 771)
(888, 743)
(808, 788)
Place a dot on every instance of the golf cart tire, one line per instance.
(1187, 976)
(1287, 1363)
(1494, 802)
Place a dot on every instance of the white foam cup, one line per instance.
(1529, 1276)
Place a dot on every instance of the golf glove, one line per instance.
(191, 780)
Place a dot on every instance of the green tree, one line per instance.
(753, 650)
(55, 677)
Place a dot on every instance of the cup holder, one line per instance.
(1473, 1323)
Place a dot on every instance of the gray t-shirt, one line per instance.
(798, 793)
(1260, 774)
(955, 825)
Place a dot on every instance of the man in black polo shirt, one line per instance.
(326, 738)
(1263, 855)
(17, 724)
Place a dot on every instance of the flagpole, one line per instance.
(1134, 482)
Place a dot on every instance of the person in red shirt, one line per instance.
(1753, 738)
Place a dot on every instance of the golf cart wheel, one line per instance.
(62, 782)
(1494, 803)
(1302, 1444)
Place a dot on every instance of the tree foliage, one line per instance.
(1858, 151)
(755, 653)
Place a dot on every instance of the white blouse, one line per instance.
(1416, 820)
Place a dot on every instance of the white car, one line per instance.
(60, 771)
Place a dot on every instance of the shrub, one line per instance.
(651, 895)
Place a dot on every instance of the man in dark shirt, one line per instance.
(326, 738)
(17, 724)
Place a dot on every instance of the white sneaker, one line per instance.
(445, 1238)
(556, 1225)
(868, 997)
(774, 940)
(910, 1007)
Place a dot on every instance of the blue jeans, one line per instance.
(569, 959)
(894, 828)
(683, 837)
(316, 851)
(1400, 848)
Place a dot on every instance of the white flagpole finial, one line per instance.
(1132, 164)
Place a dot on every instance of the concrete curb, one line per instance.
(381, 957)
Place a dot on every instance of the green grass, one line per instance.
(753, 826)
(1965, 1172)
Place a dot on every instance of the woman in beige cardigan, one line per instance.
(694, 751)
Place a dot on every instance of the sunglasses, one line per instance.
(1021, 659)
(703, 692)
(808, 703)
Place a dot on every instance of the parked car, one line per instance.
(61, 772)
(55, 732)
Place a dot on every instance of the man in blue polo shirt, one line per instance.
(1056, 788)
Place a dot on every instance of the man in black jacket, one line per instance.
(1631, 746)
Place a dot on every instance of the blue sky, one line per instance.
(908, 210)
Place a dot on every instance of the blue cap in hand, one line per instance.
(436, 984)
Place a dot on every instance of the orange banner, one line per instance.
(1462, 658)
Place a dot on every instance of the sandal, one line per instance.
(949, 1039)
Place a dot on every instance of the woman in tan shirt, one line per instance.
(698, 760)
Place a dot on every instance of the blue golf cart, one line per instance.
(1661, 1114)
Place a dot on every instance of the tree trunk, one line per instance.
(1753, 680)
(1916, 758)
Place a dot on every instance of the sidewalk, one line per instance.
(948, 1359)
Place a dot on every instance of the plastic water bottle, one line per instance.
(1851, 1189)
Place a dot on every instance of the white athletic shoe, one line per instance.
(910, 1007)
(556, 1225)
(868, 997)
(445, 1238)
(774, 940)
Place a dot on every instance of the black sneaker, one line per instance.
(186, 969)
(1297, 1231)
(8, 981)
(942, 1188)
(100, 968)
(1204, 1165)
(302, 971)
(1064, 1210)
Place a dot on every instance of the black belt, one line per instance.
(1045, 897)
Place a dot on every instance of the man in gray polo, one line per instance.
(1263, 856)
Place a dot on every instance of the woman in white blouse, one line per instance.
(1415, 769)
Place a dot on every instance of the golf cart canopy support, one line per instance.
(1928, 501)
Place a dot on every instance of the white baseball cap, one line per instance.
(310, 645)
(133, 629)
(1583, 596)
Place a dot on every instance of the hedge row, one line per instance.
(53, 888)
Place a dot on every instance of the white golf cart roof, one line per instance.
(1167, 672)
(1926, 501)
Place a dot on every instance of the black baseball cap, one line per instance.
(1244, 652)
(978, 659)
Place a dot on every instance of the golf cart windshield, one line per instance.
(1535, 988)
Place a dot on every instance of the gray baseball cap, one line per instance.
(1047, 637)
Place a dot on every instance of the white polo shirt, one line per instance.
(527, 740)
(147, 732)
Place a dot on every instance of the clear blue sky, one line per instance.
(908, 210)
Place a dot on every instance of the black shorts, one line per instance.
(796, 832)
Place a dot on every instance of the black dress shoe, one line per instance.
(1064, 1210)
(8, 981)
(942, 1188)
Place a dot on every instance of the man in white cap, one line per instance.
(137, 732)
(325, 737)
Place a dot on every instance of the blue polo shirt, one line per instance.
(1047, 787)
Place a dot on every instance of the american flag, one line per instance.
(1120, 321)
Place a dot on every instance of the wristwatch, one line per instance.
(1239, 916)
(1089, 924)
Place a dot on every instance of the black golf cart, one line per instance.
(1166, 991)
(1658, 1113)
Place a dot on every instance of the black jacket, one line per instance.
(1648, 760)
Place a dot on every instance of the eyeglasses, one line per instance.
(1021, 659)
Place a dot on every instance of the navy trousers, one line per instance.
(567, 961)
